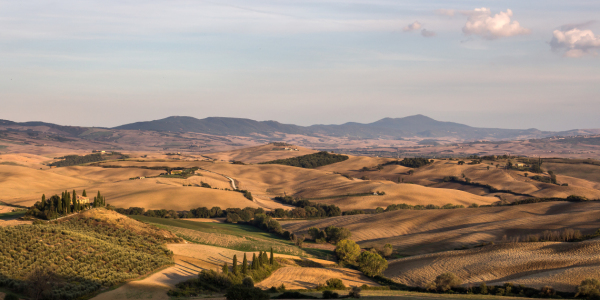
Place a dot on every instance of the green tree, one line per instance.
(84, 194)
(254, 262)
(234, 267)
(387, 250)
(446, 281)
(589, 287)
(272, 259)
(371, 264)
(245, 265)
(225, 269)
(347, 250)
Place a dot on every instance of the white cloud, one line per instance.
(482, 23)
(576, 42)
(427, 33)
(414, 26)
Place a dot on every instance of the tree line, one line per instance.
(310, 161)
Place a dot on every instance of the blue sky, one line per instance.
(106, 63)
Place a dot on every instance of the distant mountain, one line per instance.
(388, 128)
(412, 126)
(216, 126)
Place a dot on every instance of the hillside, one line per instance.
(89, 251)
(260, 154)
(417, 125)
(413, 232)
(560, 265)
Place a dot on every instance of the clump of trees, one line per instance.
(72, 160)
(57, 206)
(309, 209)
(368, 262)
(394, 207)
(444, 282)
(330, 234)
(416, 162)
(310, 161)
(237, 281)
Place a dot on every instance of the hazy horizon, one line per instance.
(508, 64)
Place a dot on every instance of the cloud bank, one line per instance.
(575, 42)
(427, 33)
(482, 23)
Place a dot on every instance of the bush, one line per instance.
(355, 292)
(575, 198)
(248, 282)
(294, 295)
(335, 284)
(336, 234)
(446, 282)
(240, 292)
(387, 250)
(589, 288)
(330, 295)
(371, 264)
(347, 251)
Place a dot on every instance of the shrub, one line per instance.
(311, 160)
(240, 292)
(355, 292)
(371, 264)
(387, 250)
(248, 282)
(335, 284)
(347, 251)
(547, 291)
(590, 288)
(446, 281)
(575, 198)
(330, 295)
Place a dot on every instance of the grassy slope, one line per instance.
(233, 236)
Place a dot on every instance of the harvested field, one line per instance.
(274, 180)
(560, 265)
(307, 278)
(414, 232)
(260, 154)
(156, 285)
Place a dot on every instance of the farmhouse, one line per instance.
(83, 200)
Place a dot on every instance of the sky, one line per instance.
(505, 64)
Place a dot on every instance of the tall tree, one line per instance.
(245, 265)
(254, 263)
(225, 269)
(271, 260)
(84, 194)
(234, 268)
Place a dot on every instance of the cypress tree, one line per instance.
(254, 261)
(260, 259)
(234, 268)
(68, 208)
(271, 260)
(245, 265)
(43, 201)
(59, 207)
(225, 269)
(84, 194)
(265, 258)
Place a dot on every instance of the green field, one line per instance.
(12, 215)
(233, 236)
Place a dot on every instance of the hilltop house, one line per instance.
(83, 200)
